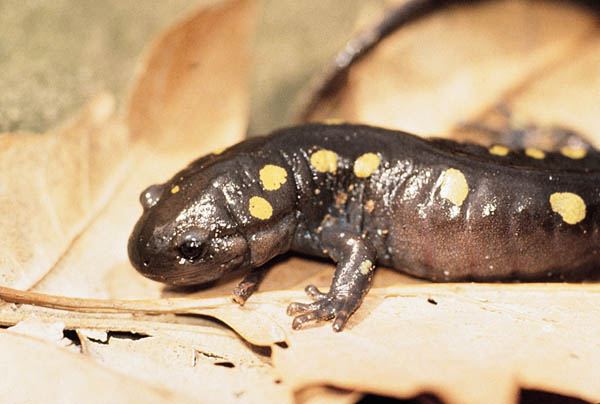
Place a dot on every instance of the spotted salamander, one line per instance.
(362, 196)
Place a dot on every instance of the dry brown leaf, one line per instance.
(451, 67)
(37, 372)
(428, 338)
(465, 343)
(45, 330)
(191, 95)
(52, 186)
(479, 343)
(209, 364)
(567, 95)
(154, 117)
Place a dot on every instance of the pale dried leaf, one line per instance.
(477, 343)
(48, 331)
(52, 185)
(37, 372)
(182, 366)
(429, 336)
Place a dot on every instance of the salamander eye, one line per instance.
(193, 247)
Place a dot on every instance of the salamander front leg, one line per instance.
(247, 286)
(351, 282)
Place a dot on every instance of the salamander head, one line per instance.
(186, 234)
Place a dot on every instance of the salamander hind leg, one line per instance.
(355, 259)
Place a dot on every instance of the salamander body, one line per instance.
(362, 196)
(436, 209)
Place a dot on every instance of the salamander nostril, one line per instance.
(151, 195)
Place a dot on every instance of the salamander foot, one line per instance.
(325, 307)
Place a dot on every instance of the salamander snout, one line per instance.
(149, 255)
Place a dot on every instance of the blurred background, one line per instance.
(55, 56)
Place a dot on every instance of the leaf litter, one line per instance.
(462, 342)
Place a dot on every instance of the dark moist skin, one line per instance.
(361, 195)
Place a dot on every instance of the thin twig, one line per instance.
(154, 306)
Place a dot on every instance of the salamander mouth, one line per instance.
(196, 275)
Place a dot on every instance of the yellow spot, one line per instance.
(272, 177)
(454, 186)
(324, 161)
(366, 165)
(535, 153)
(219, 150)
(175, 189)
(260, 208)
(575, 153)
(334, 121)
(569, 206)
(366, 267)
(499, 150)
(370, 205)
